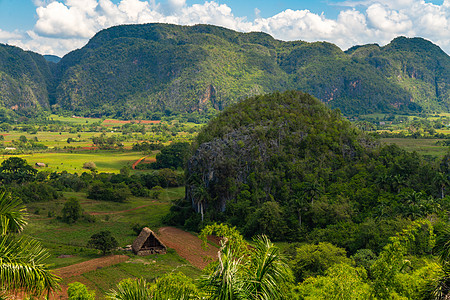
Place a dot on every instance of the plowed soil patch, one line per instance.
(188, 246)
(90, 265)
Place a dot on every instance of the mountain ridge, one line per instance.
(131, 71)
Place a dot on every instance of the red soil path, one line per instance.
(188, 246)
(144, 161)
(90, 265)
(81, 268)
(133, 166)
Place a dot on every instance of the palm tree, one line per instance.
(440, 289)
(21, 258)
(257, 273)
(442, 180)
(170, 286)
(201, 197)
(225, 282)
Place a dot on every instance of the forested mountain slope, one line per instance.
(133, 70)
(24, 79)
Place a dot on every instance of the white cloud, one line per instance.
(61, 21)
(385, 19)
(45, 45)
(63, 25)
(5, 35)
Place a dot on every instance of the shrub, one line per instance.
(71, 211)
(109, 192)
(90, 165)
(312, 260)
(103, 241)
(156, 191)
(78, 291)
(137, 228)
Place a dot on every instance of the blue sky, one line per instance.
(21, 14)
(59, 26)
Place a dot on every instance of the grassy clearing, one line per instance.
(56, 139)
(74, 121)
(421, 146)
(107, 161)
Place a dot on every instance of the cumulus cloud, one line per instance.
(59, 20)
(5, 35)
(63, 25)
(45, 45)
(382, 18)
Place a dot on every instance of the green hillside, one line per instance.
(133, 70)
(24, 79)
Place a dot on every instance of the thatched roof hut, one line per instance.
(147, 243)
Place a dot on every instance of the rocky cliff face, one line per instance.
(226, 162)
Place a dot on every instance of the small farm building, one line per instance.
(147, 243)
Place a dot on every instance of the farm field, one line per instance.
(74, 120)
(422, 146)
(54, 139)
(106, 160)
(67, 243)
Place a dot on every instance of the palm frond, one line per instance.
(12, 214)
(269, 271)
(442, 246)
(225, 283)
(22, 267)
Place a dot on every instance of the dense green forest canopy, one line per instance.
(287, 166)
(133, 71)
